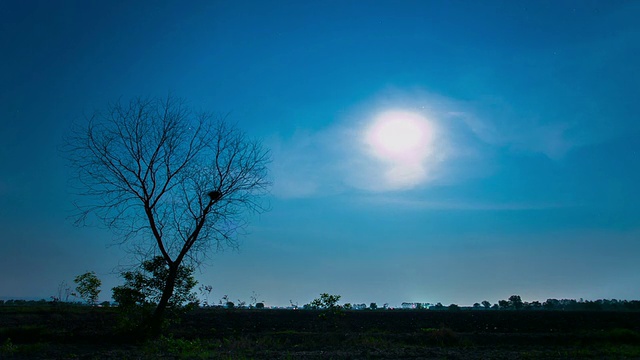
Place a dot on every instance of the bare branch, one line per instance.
(145, 169)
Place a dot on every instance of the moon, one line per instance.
(402, 145)
(399, 136)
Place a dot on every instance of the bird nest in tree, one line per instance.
(214, 195)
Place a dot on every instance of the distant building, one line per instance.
(409, 306)
(406, 305)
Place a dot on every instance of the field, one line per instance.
(78, 332)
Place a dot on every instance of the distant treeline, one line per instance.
(515, 303)
(23, 302)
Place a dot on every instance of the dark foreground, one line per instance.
(91, 333)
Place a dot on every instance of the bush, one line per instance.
(142, 291)
(326, 301)
(88, 287)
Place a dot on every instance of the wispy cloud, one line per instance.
(339, 158)
(501, 126)
(425, 204)
(304, 164)
(510, 117)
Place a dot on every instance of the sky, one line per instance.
(423, 151)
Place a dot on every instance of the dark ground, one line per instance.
(92, 333)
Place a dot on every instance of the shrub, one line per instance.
(88, 287)
(142, 291)
(326, 301)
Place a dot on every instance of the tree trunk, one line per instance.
(167, 292)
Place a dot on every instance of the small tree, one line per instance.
(486, 304)
(205, 291)
(254, 300)
(515, 302)
(144, 287)
(373, 306)
(88, 287)
(326, 301)
(64, 291)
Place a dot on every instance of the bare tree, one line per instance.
(167, 180)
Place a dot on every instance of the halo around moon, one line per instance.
(402, 141)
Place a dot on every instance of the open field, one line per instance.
(91, 333)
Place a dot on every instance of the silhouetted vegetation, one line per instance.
(174, 182)
(143, 289)
(511, 328)
(325, 302)
(88, 287)
(81, 331)
(515, 303)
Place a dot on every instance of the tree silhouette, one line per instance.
(88, 287)
(515, 302)
(167, 180)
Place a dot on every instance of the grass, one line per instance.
(441, 337)
(179, 348)
(42, 333)
(8, 348)
(25, 333)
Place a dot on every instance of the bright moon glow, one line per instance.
(396, 135)
(403, 141)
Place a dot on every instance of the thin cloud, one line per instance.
(338, 158)
(469, 134)
(551, 138)
(304, 165)
(422, 204)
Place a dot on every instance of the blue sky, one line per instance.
(523, 179)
